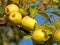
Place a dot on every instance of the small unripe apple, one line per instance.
(11, 8)
(57, 35)
(28, 23)
(39, 36)
(16, 17)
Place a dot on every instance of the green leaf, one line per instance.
(56, 1)
(54, 6)
(57, 13)
(33, 11)
(50, 41)
(49, 30)
(27, 37)
(23, 11)
(37, 26)
(1, 9)
(57, 24)
(45, 15)
(16, 34)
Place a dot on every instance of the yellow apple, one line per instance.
(39, 36)
(16, 17)
(57, 35)
(28, 23)
(11, 8)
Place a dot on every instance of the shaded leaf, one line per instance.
(1, 9)
(45, 15)
(2, 21)
(57, 13)
(59, 20)
(50, 41)
(16, 34)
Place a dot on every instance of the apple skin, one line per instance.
(11, 8)
(57, 35)
(16, 17)
(39, 36)
(28, 23)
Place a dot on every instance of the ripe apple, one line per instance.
(57, 35)
(28, 23)
(11, 8)
(39, 36)
(16, 17)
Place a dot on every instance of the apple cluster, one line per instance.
(27, 23)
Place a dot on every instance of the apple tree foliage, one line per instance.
(12, 33)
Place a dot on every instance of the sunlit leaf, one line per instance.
(54, 6)
(23, 11)
(48, 32)
(58, 4)
(37, 26)
(49, 29)
(57, 24)
(56, 1)
(33, 11)
(27, 37)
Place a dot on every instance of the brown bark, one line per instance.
(0, 2)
